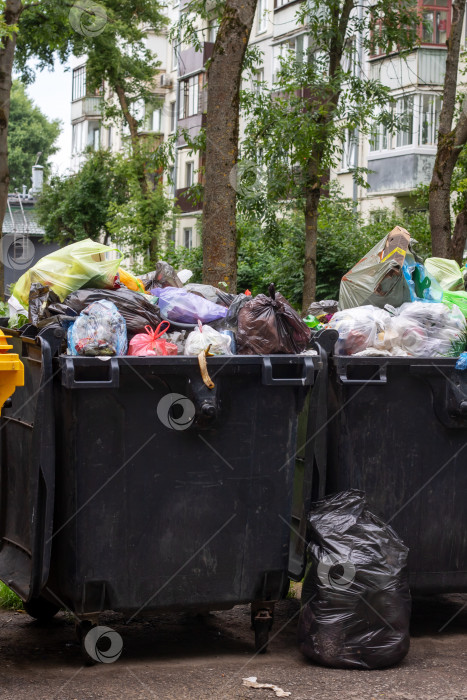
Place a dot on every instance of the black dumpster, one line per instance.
(127, 485)
(398, 432)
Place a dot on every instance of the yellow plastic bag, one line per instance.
(82, 264)
(130, 281)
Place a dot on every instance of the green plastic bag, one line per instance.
(82, 264)
(457, 298)
(447, 272)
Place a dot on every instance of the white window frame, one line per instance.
(189, 173)
(156, 120)
(262, 24)
(188, 237)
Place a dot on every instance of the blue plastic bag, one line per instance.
(181, 306)
(462, 361)
(422, 286)
(99, 330)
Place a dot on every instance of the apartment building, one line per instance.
(397, 163)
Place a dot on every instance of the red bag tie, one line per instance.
(154, 335)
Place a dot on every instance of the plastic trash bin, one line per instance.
(127, 485)
(398, 431)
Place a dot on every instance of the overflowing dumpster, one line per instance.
(128, 485)
(398, 431)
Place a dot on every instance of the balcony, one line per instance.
(192, 61)
(399, 173)
(86, 107)
(421, 67)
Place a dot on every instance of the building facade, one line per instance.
(397, 162)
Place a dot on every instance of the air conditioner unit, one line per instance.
(166, 80)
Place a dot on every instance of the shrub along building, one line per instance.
(397, 162)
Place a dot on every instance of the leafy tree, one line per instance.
(29, 133)
(73, 207)
(295, 130)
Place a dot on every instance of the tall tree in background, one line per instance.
(321, 98)
(29, 133)
(219, 140)
(452, 138)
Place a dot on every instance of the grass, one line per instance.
(8, 599)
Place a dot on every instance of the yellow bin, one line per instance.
(11, 369)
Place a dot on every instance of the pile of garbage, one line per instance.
(391, 304)
(107, 311)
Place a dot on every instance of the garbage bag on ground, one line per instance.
(457, 298)
(377, 278)
(181, 306)
(204, 337)
(356, 601)
(152, 343)
(415, 329)
(269, 325)
(99, 330)
(446, 272)
(135, 308)
(40, 296)
(130, 281)
(82, 264)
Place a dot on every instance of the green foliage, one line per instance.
(343, 238)
(8, 599)
(74, 207)
(185, 258)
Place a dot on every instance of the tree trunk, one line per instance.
(449, 147)
(312, 197)
(11, 14)
(222, 131)
(459, 237)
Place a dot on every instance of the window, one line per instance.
(349, 150)
(258, 81)
(157, 121)
(436, 23)
(213, 27)
(96, 139)
(174, 57)
(188, 237)
(189, 96)
(262, 16)
(79, 83)
(189, 173)
(295, 48)
(173, 117)
(405, 113)
(172, 181)
(429, 119)
(418, 115)
(110, 138)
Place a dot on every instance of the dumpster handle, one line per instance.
(70, 382)
(307, 378)
(380, 377)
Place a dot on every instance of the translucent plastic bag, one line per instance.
(98, 330)
(428, 330)
(447, 272)
(269, 325)
(356, 601)
(359, 328)
(181, 306)
(203, 290)
(377, 278)
(204, 337)
(152, 343)
(422, 286)
(82, 264)
(163, 276)
(457, 298)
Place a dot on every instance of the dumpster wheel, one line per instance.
(262, 623)
(41, 609)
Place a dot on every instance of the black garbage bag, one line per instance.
(163, 276)
(137, 311)
(356, 601)
(40, 297)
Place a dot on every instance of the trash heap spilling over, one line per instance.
(107, 311)
(393, 305)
